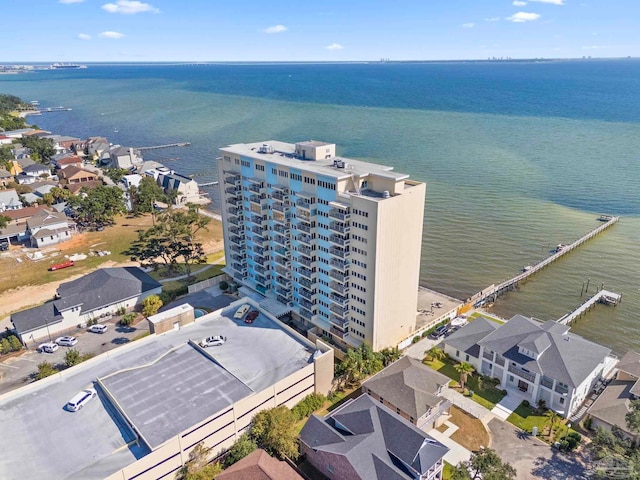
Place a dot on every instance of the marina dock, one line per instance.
(602, 296)
(491, 293)
(168, 145)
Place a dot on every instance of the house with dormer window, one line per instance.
(48, 227)
(541, 360)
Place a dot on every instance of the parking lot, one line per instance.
(17, 371)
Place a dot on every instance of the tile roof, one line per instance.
(561, 355)
(409, 385)
(259, 465)
(376, 442)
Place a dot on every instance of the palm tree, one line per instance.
(552, 418)
(464, 369)
(436, 354)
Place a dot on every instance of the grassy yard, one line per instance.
(486, 317)
(527, 417)
(447, 471)
(471, 433)
(484, 391)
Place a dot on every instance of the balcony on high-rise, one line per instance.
(308, 294)
(232, 178)
(339, 264)
(339, 214)
(304, 261)
(339, 288)
(339, 299)
(281, 240)
(339, 311)
(339, 252)
(305, 272)
(342, 277)
(341, 240)
(339, 227)
(303, 238)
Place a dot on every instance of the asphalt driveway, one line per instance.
(533, 458)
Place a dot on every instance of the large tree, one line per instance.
(98, 206)
(275, 431)
(614, 455)
(145, 195)
(198, 466)
(632, 418)
(172, 240)
(486, 465)
(359, 363)
(42, 149)
(4, 221)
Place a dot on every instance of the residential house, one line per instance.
(4, 140)
(259, 465)
(363, 439)
(132, 180)
(5, 177)
(540, 361)
(75, 178)
(18, 133)
(90, 297)
(62, 143)
(155, 171)
(9, 200)
(122, 157)
(95, 146)
(412, 390)
(613, 404)
(65, 160)
(36, 171)
(17, 227)
(49, 227)
(186, 188)
(25, 179)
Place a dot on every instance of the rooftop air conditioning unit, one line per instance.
(266, 148)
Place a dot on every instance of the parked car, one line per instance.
(80, 399)
(241, 311)
(66, 341)
(251, 316)
(48, 347)
(213, 341)
(4, 246)
(438, 332)
(98, 328)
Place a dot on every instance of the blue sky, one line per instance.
(303, 30)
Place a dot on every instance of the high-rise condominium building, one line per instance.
(335, 240)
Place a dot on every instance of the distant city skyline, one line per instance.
(246, 30)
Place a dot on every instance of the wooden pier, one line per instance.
(603, 296)
(208, 184)
(168, 145)
(491, 293)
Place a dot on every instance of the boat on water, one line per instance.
(560, 247)
(35, 103)
(66, 66)
(115, 130)
(526, 268)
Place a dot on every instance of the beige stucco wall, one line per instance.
(164, 322)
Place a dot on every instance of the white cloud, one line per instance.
(114, 35)
(492, 19)
(334, 46)
(522, 17)
(468, 25)
(84, 36)
(551, 2)
(519, 3)
(129, 7)
(275, 29)
(70, 1)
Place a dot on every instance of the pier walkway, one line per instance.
(603, 296)
(492, 292)
(168, 145)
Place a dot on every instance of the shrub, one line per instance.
(425, 334)
(240, 449)
(525, 403)
(45, 369)
(5, 346)
(504, 392)
(224, 285)
(121, 311)
(15, 343)
(151, 305)
(128, 318)
(588, 422)
(308, 405)
(416, 339)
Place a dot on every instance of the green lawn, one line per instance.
(486, 395)
(486, 317)
(526, 417)
(447, 471)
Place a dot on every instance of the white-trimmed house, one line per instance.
(542, 361)
(49, 227)
(93, 296)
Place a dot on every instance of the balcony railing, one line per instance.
(232, 180)
(261, 280)
(237, 240)
(305, 272)
(339, 276)
(234, 221)
(234, 211)
(282, 230)
(239, 267)
(257, 219)
(561, 389)
(304, 261)
(339, 311)
(341, 215)
(306, 293)
(285, 282)
(338, 333)
(487, 355)
(285, 262)
(303, 228)
(258, 240)
(339, 252)
(339, 228)
(283, 272)
(500, 360)
(526, 375)
(339, 322)
(306, 304)
(306, 283)
(280, 207)
(303, 238)
(259, 200)
(234, 201)
(236, 248)
(232, 190)
(256, 188)
(307, 204)
(307, 314)
(285, 292)
(339, 264)
(337, 287)
(260, 269)
(339, 299)
(304, 250)
(238, 257)
(279, 218)
(285, 252)
(281, 240)
(339, 240)
(281, 197)
(546, 382)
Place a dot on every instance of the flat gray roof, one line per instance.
(284, 154)
(93, 442)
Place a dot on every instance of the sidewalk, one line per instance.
(508, 404)
(468, 405)
(457, 453)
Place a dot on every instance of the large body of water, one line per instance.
(518, 157)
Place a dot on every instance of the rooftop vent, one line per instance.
(339, 163)
(385, 194)
(266, 148)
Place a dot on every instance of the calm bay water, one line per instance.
(518, 157)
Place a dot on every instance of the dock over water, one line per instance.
(492, 292)
(168, 145)
(603, 296)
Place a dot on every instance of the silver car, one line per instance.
(66, 341)
(213, 341)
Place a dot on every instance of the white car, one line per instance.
(213, 341)
(79, 400)
(48, 347)
(66, 341)
(97, 328)
(241, 311)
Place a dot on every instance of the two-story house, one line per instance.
(542, 361)
(186, 189)
(48, 227)
(412, 390)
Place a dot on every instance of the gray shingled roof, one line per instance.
(103, 287)
(630, 364)
(377, 443)
(466, 339)
(106, 286)
(409, 385)
(613, 404)
(568, 358)
(46, 218)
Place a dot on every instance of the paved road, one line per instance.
(16, 371)
(533, 458)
